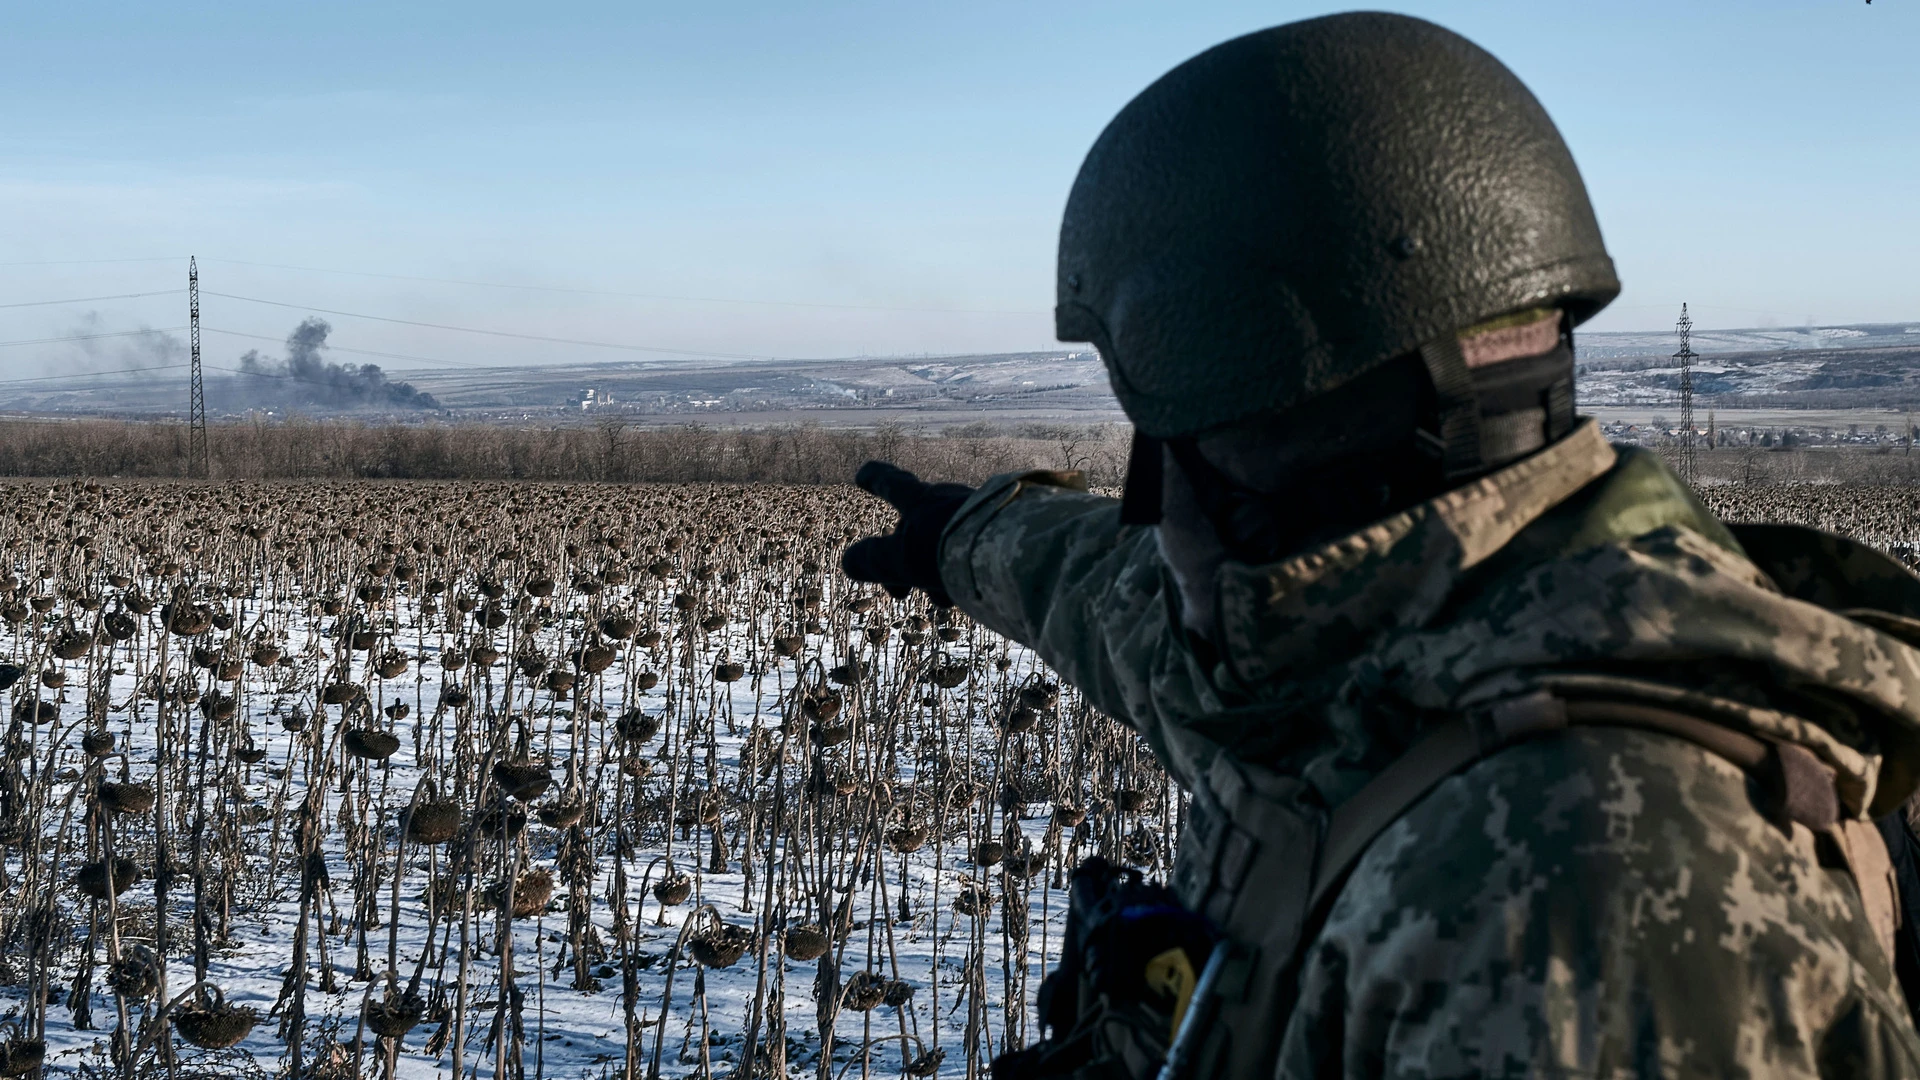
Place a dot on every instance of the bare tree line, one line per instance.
(610, 451)
(1752, 466)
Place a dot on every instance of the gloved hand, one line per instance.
(909, 557)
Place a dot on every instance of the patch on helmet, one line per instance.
(1510, 337)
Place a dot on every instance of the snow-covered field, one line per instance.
(702, 694)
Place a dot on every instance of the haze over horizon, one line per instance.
(853, 179)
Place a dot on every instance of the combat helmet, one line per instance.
(1296, 207)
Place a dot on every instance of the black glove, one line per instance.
(908, 558)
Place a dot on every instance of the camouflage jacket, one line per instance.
(1608, 902)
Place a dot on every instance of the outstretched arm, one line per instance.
(1037, 558)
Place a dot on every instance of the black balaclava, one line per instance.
(1257, 492)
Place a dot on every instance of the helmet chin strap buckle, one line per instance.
(1458, 406)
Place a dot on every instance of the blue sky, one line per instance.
(838, 178)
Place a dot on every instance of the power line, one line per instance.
(501, 333)
(331, 347)
(164, 367)
(1668, 305)
(90, 299)
(159, 367)
(93, 337)
(91, 374)
(287, 375)
(632, 295)
(91, 262)
(260, 374)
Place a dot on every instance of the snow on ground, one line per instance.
(971, 980)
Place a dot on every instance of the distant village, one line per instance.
(1868, 435)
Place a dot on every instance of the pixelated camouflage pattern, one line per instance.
(1604, 903)
(1601, 904)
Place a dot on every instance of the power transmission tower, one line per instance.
(1685, 356)
(197, 460)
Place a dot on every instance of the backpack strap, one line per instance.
(1252, 832)
(1897, 832)
(1795, 786)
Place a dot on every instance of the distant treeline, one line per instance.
(1882, 466)
(612, 452)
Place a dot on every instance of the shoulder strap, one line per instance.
(1897, 834)
(1797, 785)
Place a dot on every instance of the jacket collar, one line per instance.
(1292, 617)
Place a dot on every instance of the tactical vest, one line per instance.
(1264, 859)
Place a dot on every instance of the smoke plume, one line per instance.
(98, 346)
(310, 378)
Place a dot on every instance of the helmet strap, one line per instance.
(1140, 499)
(1559, 396)
(1477, 422)
(1457, 408)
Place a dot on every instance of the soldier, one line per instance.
(1506, 757)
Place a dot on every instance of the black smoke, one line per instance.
(307, 377)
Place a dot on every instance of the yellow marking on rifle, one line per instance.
(1170, 973)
